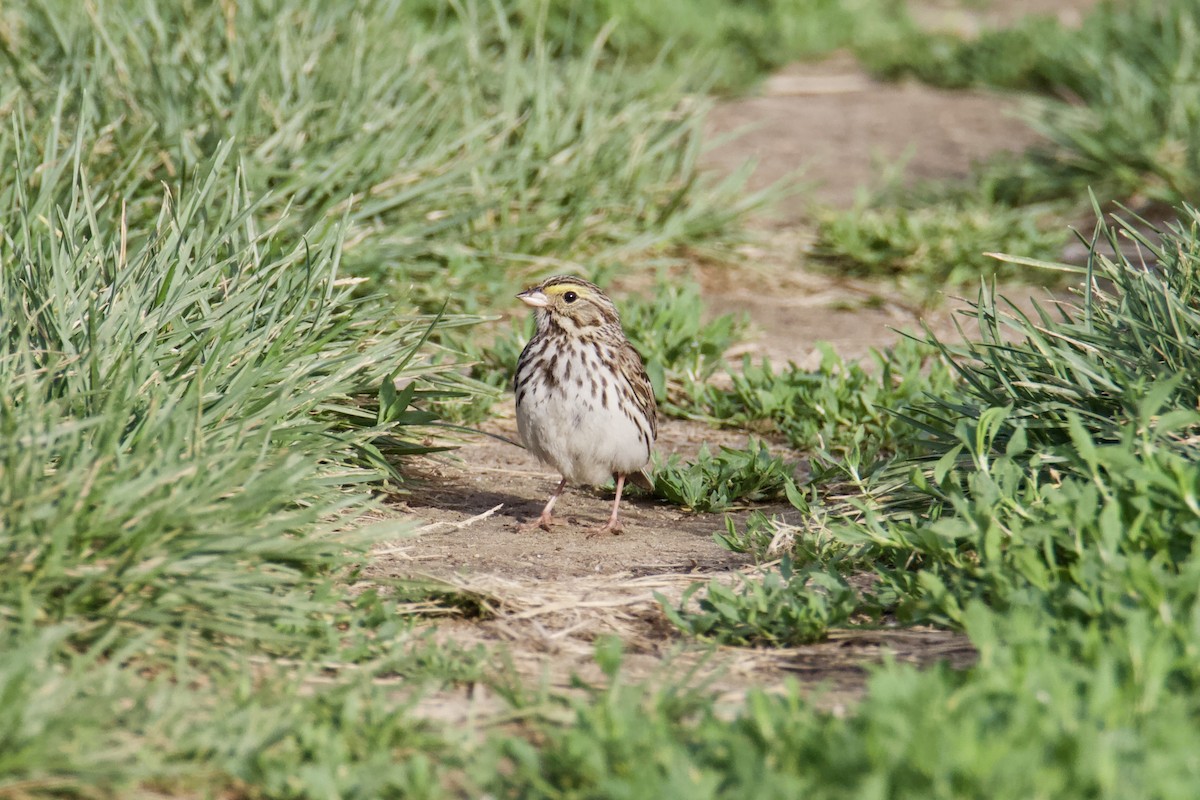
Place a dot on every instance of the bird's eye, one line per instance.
(570, 297)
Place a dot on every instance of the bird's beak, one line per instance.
(534, 297)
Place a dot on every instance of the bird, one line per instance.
(585, 406)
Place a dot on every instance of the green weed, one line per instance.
(716, 482)
(838, 409)
(1096, 531)
(1029, 719)
(667, 327)
(930, 247)
(783, 607)
(757, 535)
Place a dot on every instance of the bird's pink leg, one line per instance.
(613, 525)
(546, 520)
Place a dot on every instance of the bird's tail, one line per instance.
(641, 480)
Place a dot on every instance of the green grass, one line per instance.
(1053, 516)
(1121, 94)
(487, 161)
(841, 407)
(1072, 434)
(1050, 516)
(933, 245)
(781, 608)
(711, 482)
(1114, 101)
(720, 45)
(178, 406)
(96, 728)
(224, 236)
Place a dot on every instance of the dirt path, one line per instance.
(839, 131)
(551, 595)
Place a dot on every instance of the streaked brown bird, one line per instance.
(584, 404)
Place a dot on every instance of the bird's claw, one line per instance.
(545, 522)
(614, 528)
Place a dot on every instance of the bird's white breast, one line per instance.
(573, 419)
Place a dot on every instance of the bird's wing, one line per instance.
(630, 365)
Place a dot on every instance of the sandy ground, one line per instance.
(550, 595)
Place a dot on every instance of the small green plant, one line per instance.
(756, 535)
(780, 608)
(807, 537)
(679, 348)
(839, 408)
(932, 247)
(1094, 530)
(716, 482)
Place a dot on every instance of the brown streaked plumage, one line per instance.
(584, 403)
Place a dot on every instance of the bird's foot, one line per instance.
(613, 527)
(545, 522)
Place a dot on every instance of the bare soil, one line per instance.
(550, 595)
(838, 131)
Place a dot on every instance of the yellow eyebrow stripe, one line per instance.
(563, 288)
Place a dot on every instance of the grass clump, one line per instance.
(1130, 130)
(1100, 362)
(725, 46)
(1096, 530)
(1072, 434)
(837, 409)
(716, 482)
(1120, 92)
(781, 608)
(178, 407)
(929, 247)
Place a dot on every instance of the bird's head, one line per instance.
(570, 303)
